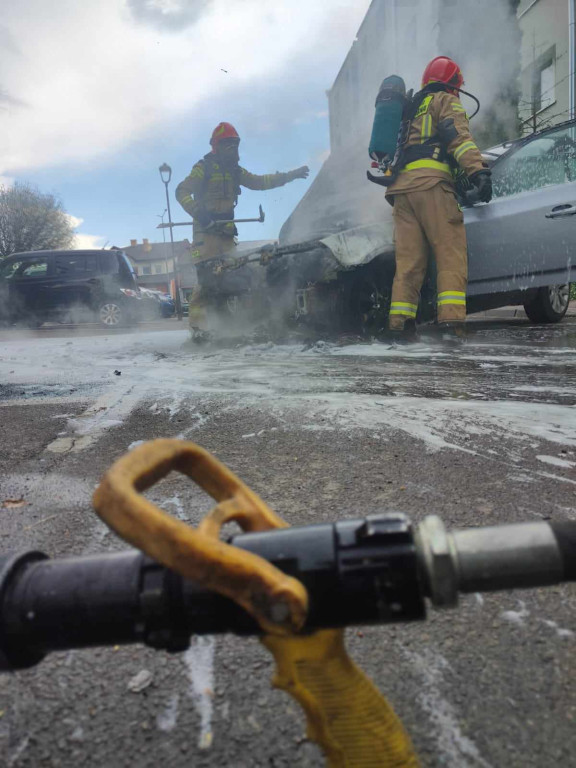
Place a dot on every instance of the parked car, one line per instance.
(334, 263)
(157, 303)
(69, 286)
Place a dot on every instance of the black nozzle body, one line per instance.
(356, 572)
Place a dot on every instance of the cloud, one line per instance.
(172, 15)
(85, 80)
(82, 241)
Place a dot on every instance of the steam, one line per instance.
(490, 61)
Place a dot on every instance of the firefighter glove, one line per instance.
(203, 218)
(482, 180)
(299, 173)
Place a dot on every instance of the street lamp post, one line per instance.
(166, 175)
(161, 217)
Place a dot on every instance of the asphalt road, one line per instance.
(482, 434)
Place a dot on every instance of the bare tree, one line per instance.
(31, 220)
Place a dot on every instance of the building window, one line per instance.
(544, 80)
(547, 85)
(147, 270)
(158, 269)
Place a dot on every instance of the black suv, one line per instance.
(68, 286)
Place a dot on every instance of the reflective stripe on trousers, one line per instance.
(403, 308)
(455, 298)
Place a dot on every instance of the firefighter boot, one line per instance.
(455, 333)
(405, 335)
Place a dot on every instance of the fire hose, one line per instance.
(295, 587)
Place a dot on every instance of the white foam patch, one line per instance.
(516, 617)
(302, 389)
(167, 719)
(556, 461)
(441, 423)
(457, 749)
(564, 633)
(199, 660)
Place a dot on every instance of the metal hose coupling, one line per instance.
(520, 555)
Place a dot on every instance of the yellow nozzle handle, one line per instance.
(346, 714)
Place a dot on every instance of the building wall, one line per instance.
(545, 63)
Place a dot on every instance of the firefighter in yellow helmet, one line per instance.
(210, 193)
(427, 217)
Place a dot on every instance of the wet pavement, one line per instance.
(482, 434)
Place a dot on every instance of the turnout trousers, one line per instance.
(210, 244)
(429, 222)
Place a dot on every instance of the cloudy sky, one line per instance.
(94, 96)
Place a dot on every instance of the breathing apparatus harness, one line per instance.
(208, 162)
(433, 148)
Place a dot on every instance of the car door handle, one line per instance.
(561, 210)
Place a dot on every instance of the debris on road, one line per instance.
(14, 503)
(140, 682)
(117, 373)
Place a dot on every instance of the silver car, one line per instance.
(524, 241)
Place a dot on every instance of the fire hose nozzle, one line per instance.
(517, 556)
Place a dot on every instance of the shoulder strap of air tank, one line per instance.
(208, 162)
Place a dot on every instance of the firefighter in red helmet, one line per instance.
(436, 145)
(210, 193)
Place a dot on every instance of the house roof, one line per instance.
(155, 251)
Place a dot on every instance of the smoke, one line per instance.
(484, 38)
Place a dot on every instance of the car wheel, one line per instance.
(549, 305)
(111, 315)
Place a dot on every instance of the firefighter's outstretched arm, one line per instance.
(271, 180)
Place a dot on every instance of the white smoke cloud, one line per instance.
(79, 81)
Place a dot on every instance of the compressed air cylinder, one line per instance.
(389, 107)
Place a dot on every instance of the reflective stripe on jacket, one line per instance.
(442, 124)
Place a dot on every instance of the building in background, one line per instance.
(153, 263)
(547, 63)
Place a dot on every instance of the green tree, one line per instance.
(31, 220)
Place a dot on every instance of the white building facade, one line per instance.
(547, 62)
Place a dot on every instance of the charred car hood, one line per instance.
(344, 212)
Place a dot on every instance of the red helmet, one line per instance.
(223, 131)
(443, 70)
